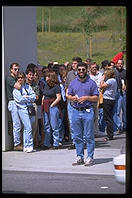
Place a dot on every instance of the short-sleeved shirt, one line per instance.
(97, 78)
(70, 76)
(50, 92)
(86, 88)
(111, 90)
(10, 81)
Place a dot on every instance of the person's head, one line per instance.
(75, 61)
(111, 63)
(120, 64)
(93, 68)
(36, 76)
(104, 64)
(63, 76)
(109, 73)
(30, 74)
(69, 67)
(62, 68)
(56, 68)
(88, 61)
(32, 66)
(39, 70)
(14, 69)
(82, 70)
(21, 77)
(45, 70)
(52, 79)
(50, 66)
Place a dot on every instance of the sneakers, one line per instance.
(78, 161)
(19, 147)
(29, 150)
(89, 162)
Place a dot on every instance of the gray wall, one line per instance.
(19, 44)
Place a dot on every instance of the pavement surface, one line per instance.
(60, 161)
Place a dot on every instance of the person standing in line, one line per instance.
(109, 84)
(22, 100)
(30, 71)
(52, 111)
(96, 76)
(83, 91)
(70, 76)
(10, 85)
(121, 101)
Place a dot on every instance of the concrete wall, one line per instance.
(19, 44)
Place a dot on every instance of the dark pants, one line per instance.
(108, 106)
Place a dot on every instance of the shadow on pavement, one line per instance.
(102, 160)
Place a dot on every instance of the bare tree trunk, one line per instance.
(49, 18)
(90, 47)
(42, 19)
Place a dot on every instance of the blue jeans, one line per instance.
(70, 117)
(120, 104)
(83, 125)
(27, 133)
(52, 122)
(16, 122)
(102, 123)
(124, 110)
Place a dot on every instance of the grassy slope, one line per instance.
(62, 47)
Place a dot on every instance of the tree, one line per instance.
(88, 25)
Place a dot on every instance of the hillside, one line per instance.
(65, 40)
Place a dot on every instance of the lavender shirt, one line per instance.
(86, 88)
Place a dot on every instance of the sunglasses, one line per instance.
(82, 70)
(16, 69)
(19, 77)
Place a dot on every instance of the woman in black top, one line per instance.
(52, 110)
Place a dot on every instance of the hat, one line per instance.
(104, 63)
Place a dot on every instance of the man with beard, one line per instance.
(83, 91)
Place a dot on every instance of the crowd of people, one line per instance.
(59, 103)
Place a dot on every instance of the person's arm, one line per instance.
(70, 97)
(17, 85)
(57, 100)
(89, 98)
(103, 84)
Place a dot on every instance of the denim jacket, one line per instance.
(19, 98)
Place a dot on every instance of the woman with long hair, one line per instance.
(52, 111)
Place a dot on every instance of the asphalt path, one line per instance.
(51, 172)
(58, 183)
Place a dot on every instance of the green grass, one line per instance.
(62, 47)
(62, 43)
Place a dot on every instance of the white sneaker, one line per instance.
(89, 161)
(25, 149)
(30, 150)
(78, 161)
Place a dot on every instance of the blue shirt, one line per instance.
(86, 88)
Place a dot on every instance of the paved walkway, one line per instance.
(60, 161)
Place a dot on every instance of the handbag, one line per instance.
(31, 110)
(100, 100)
